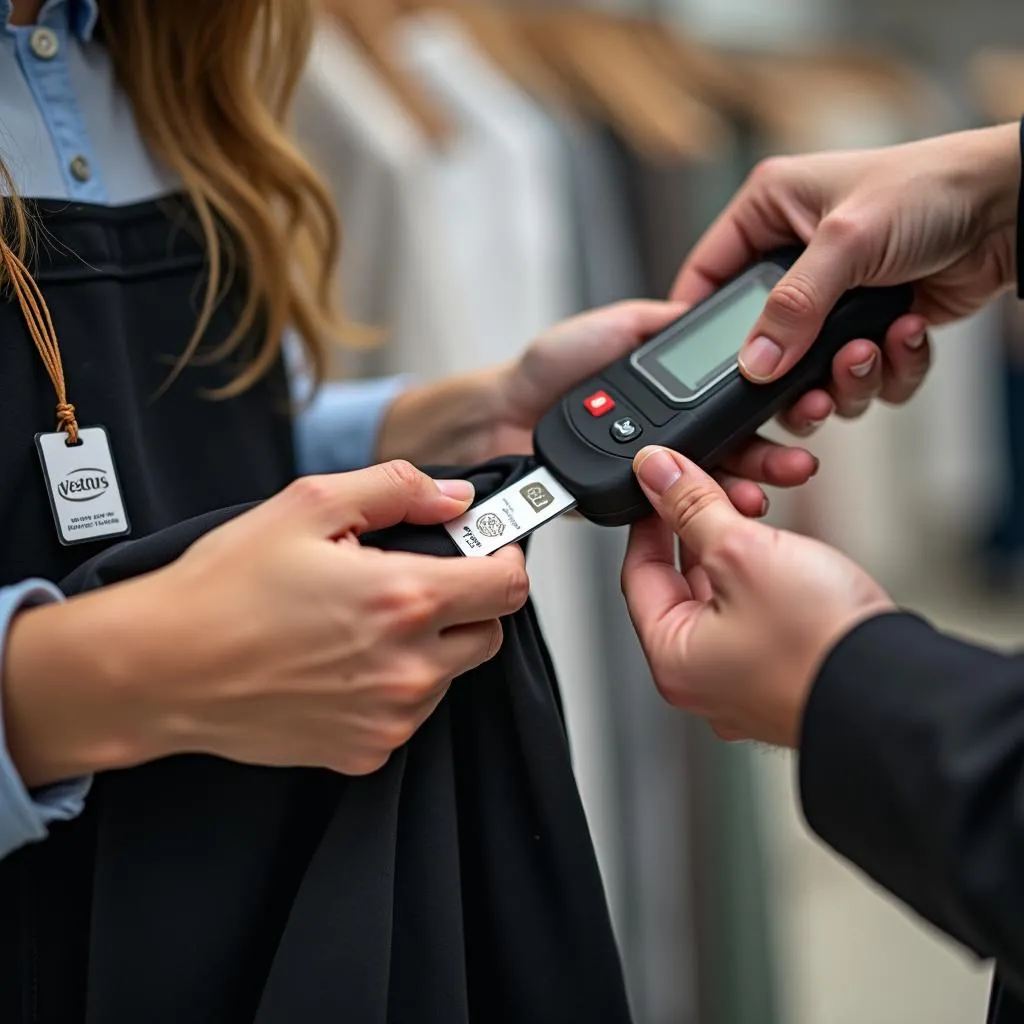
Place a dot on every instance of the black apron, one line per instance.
(457, 884)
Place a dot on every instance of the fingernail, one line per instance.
(863, 369)
(460, 490)
(658, 471)
(760, 358)
(915, 341)
(765, 505)
(817, 465)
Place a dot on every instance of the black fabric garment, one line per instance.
(457, 884)
(912, 766)
(123, 287)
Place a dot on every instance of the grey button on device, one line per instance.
(80, 169)
(44, 43)
(626, 429)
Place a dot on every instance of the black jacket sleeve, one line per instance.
(912, 767)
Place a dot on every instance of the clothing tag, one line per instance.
(84, 491)
(511, 514)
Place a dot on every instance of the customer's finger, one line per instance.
(856, 378)
(770, 463)
(908, 357)
(808, 413)
(798, 305)
(747, 497)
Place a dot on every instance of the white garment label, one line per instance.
(511, 514)
(84, 491)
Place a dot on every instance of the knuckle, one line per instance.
(689, 505)
(362, 764)
(669, 689)
(401, 474)
(493, 640)
(395, 733)
(517, 589)
(410, 604)
(311, 491)
(792, 299)
(844, 229)
(415, 683)
(725, 731)
(770, 170)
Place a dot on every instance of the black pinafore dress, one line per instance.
(122, 286)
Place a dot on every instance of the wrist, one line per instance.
(449, 421)
(994, 173)
(71, 693)
(820, 653)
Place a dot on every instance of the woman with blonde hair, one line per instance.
(164, 248)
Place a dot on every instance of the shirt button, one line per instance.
(80, 169)
(44, 43)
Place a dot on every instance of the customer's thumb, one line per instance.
(796, 309)
(686, 498)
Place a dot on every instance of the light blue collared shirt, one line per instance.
(67, 132)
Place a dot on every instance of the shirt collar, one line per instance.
(81, 15)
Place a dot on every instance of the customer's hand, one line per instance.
(276, 639)
(738, 636)
(940, 213)
(493, 413)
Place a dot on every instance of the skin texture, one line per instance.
(738, 635)
(276, 639)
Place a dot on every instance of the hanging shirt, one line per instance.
(68, 136)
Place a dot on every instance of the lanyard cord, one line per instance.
(40, 326)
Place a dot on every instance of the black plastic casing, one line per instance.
(597, 470)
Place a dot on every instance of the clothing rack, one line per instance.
(498, 168)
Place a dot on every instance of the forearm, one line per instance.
(71, 697)
(449, 422)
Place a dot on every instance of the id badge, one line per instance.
(82, 484)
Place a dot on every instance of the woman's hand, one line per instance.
(469, 419)
(940, 213)
(738, 636)
(276, 639)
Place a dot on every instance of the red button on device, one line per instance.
(599, 403)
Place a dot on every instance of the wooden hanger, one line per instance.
(699, 69)
(370, 24)
(996, 79)
(791, 91)
(500, 38)
(614, 78)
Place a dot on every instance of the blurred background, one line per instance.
(500, 167)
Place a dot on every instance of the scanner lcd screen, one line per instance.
(701, 351)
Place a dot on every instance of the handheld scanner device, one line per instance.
(683, 389)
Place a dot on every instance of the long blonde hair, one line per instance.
(211, 83)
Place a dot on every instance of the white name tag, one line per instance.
(511, 514)
(83, 487)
